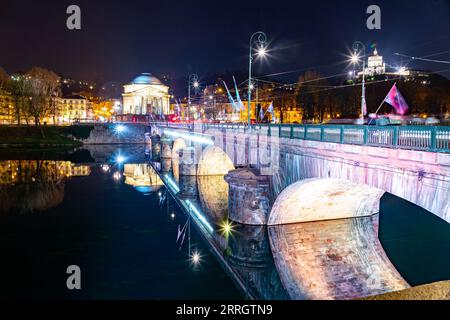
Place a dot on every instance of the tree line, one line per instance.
(32, 93)
(318, 98)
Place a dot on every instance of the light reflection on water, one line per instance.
(244, 252)
(114, 219)
(248, 255)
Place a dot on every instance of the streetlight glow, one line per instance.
(358, 46)
(261, 38)
(196, 84)
(196, 258)
(120, 159)
(120, 128)
(262, 51)
(226, 228)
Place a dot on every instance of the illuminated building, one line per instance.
(146, 95)
(375, 65)
(73, 108)
(6, 108)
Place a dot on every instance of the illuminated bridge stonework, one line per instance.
(420, 177)
(336, 259)
(323, 224)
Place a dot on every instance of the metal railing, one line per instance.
(424, 138)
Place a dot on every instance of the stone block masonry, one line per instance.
(108, 134)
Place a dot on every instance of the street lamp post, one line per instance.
(356, 46)
(261, 38)
(193, 82)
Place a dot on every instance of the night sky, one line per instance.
(120, 39)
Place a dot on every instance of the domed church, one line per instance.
(146, 95)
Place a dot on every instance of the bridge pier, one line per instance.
(166, 165)
(187, 168)
(156, 147)
(249, 197)
(166, 148)
(188, 187)
(188, 163)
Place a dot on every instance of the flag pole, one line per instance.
(376, 112)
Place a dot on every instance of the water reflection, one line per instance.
(35, 185)
(142, 177)
(250, 256)
(244, 251)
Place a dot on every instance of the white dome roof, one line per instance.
(146, 78)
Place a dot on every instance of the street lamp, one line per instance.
(357, 46)
(261, 38)
(193, 82)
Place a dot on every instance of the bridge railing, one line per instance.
(426, 138)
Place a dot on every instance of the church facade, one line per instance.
(146, 95)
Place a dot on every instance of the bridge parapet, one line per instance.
(424, 138)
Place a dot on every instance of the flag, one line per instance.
(261, 113)
(178, 108)
(270, 110)
(396, 100)
(238, 97)
(230, 97)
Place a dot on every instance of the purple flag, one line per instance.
(396, 100)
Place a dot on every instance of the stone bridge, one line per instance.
(319, 198)
(421, 177)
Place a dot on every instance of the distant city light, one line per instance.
(252, 86)
(172, 216)
(105, 168)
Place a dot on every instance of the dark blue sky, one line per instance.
(120, 39)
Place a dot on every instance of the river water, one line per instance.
(107, 210)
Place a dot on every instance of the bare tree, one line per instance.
(19, 87)
(43, 86)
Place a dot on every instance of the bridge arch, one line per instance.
(214, 161)
(324, 199)
(333, 225)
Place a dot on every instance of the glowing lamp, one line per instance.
(120, 159)
(120, 128)
(262, 51)
(196, 258)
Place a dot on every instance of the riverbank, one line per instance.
(32, 137)
(433, 291)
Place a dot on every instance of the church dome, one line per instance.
(146, 78)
